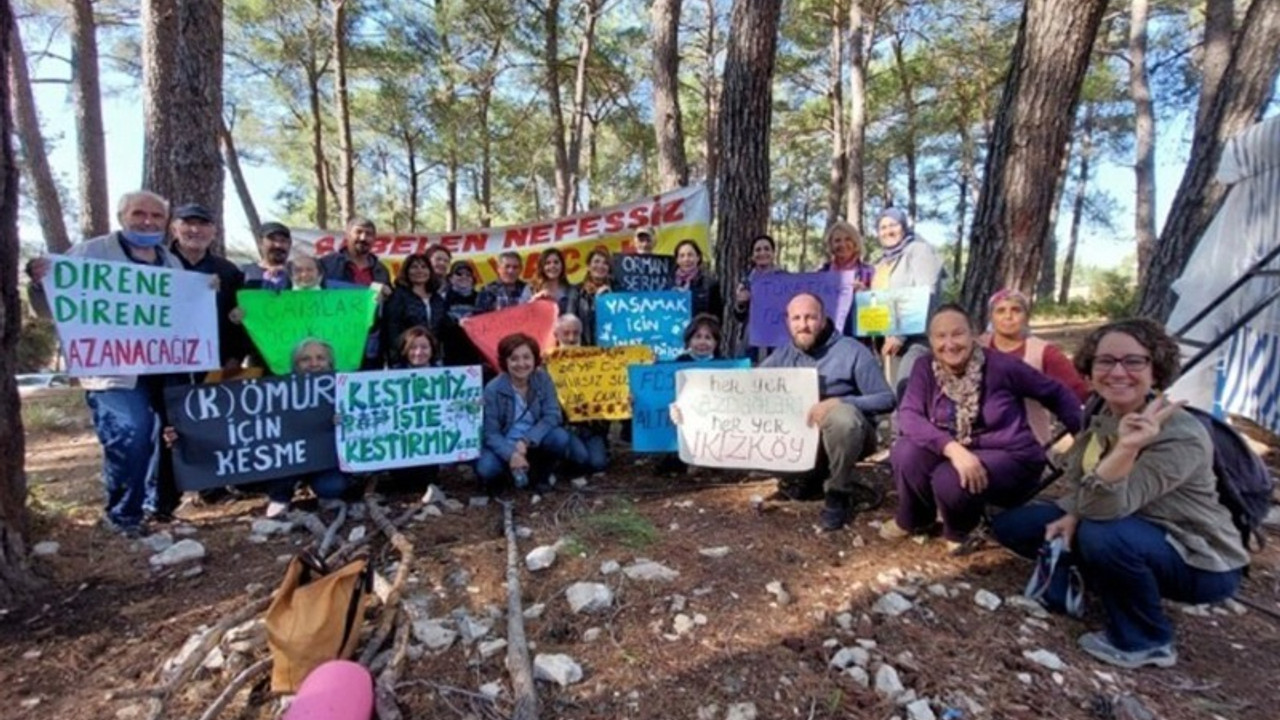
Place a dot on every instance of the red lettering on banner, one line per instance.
(613, 222)
(639, 216)
(449, 242)
(674, 212)
(475, 242)
(572, 260)
(587, 225)
(540, 234)
(325, 245)
(402, 245)
(380, 244)
(530, 269)
(517, 237)
(564, 227)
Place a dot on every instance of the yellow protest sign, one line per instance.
(592, 382)
(874, 320)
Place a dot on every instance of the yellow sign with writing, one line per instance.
(592, 382)
(874, 320)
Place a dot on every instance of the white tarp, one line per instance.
(1245, 228)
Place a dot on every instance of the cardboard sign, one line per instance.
(767, 320)
(748, 419)
(245, 431)
(653, 389)
(278, 321)
(591, 382)
(130, 319)
(654, 319)
(402, 418)
(536, 319)
(900, 311)
(643, 273)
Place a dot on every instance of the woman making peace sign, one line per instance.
(1141, 513)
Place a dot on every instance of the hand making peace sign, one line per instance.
(1138, 429)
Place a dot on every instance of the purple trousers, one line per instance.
(928, 485)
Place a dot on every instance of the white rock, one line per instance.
(937, 590)
(591, 634)
(32, 655)
(45, 548)
(678, 603)
(779, 593)
(533, 612)
(1235, 606)
(888, 684)
(473, 629)
(866, 644)
(157, 542)
(850, 656)
(215, 660)
(609, 567)
(891, 604)
(131, 712)
(699, 619)
(559, 669)
(920, 710)
(709, 712)
(430, 511)
(588, 597)
(1197, 610)
(1024, 678)
(741, 711)
(433, 634)
(268, 527)
(433, 495)
(1058, 679)
(451, 505)
(1044, 658)
(859, 675)
(1031, 607)
(492, 690)
(987, 600)
(845, 621)
(714, 552)
(890, 576)
(578, 483)
(540, 558)
(357, 533)
(650, 571)
(479, 501)
(682, 624)
(523, 532)
(183, 530)
(489, 648)
(180, 552)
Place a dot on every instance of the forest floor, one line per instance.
(711, 642)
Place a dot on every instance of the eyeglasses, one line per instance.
(1104, 364)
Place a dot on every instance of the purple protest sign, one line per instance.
(767, 323)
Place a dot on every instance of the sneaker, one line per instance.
(892, 531)
(276, 509)
(1097, 645)
(129, 532)
(969, 545)
(837, 512)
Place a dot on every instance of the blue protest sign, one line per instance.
(767, 323)
(653, 388)
(656, 319)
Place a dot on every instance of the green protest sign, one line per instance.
(278, 321)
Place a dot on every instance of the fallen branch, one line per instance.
(384, 691)
(344, 553)
(392, 603)
(518, 664)
(332, 532)
(249, 674)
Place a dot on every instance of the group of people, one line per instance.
(972, 410)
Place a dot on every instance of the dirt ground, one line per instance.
(105, 621)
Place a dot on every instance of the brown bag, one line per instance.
(314, 617)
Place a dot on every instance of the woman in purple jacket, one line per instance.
(964, 438)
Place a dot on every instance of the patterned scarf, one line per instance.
(964, 390)
(685, 278)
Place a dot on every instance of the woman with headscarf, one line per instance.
(1010, 333)
(964, 439)
(905, 261)
(844, 255)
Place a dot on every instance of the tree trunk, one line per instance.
(551, 56)
(668, 124)
(1215, 52)
(1087, 127)
(908, 132)
(856, 147)
(1047, 278)
(182, 103)
(486, 161)
(411, 157)
(319, 165)
(1247, 85)
(711, 99)
(577, 133)
(232, 159)
(95, 203)
(746, 105)
(1144, 132)
(16, 579)
(346, 160)
(451, 191)
(34, 158)
(1031, 130)
(968, 178)
(838, 185)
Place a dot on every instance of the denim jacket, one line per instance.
(500, 412)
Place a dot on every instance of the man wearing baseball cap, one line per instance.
(643, 243)
(272, 271)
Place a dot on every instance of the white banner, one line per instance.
(749, 419)
(405, 418)
(130, 319)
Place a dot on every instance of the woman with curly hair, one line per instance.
(582, 298)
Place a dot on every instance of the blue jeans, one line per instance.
(327, 485)
(1129, 564)
(129, 433)
(544, 457)
(588, 451)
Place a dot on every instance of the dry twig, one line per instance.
(246, 676)
(405, 548)
(331, 533)
(518, 664)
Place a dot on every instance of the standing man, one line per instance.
(643, 243)
(356, 264)
(272, 271)
(193, 230)
(504, 292)
(853, 393)
(124, 407)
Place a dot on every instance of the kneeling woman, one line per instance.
(524, 434)
(964, 434)
(1141, 513)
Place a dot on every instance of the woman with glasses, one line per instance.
(1141, 514)
(964, 437)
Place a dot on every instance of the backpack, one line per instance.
(1244, 484)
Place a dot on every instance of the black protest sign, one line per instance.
(643, 273)
(252, 430)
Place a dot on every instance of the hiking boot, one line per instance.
(1098, 645)
(837, 512)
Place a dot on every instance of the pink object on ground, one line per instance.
(336, 690)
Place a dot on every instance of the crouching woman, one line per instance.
(1141, 513)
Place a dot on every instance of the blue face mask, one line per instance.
(143, 239)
